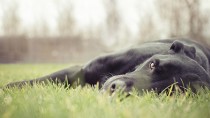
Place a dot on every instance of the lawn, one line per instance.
(57, 102)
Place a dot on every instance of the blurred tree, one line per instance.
(66, 22)
(40, 29)
(113, 18)
(147, 29)
(184, 18)
(10, 20)
(197, 20)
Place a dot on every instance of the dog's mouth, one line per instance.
(122, 92)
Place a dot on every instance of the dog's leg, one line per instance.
(66, 76)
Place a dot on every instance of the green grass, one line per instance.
(56, 102)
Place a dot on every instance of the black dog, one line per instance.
(151, 66)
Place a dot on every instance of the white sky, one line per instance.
(86, 12)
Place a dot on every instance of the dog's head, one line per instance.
(177, 66)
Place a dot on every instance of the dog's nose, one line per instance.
(120, 85)
(117, 85)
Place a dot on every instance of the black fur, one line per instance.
(153, 65)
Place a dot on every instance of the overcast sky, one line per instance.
(86, 11)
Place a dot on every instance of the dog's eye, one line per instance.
(152, 65)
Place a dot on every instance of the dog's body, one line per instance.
(153, 65)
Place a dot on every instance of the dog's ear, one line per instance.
(177, 46)
(190, 51)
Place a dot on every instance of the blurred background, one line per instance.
(65, 31)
